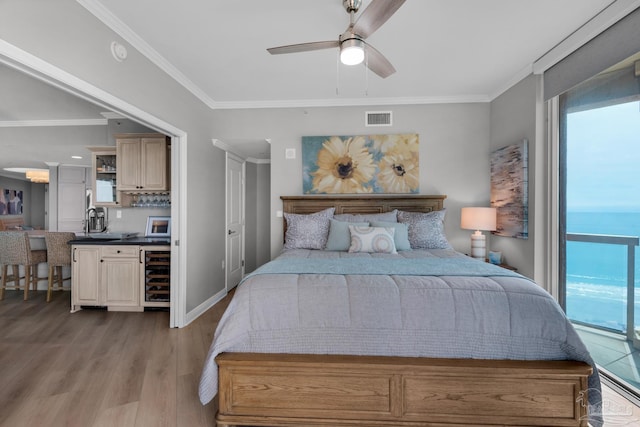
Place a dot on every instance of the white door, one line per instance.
(235, 221)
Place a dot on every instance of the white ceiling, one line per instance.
(443, 51)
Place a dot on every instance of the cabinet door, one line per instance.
(120, 279)
(104, 177)
(153, 167)
(85, 277)
(128, 159)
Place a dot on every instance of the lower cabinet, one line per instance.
(111, 276)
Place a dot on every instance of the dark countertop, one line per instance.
(140, 241)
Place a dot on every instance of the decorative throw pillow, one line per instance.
(426, 230)
(401, 236)
(340, 236)
(372, 239)
(385, 216)
(307, 231)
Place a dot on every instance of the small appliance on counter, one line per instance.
(96, 220)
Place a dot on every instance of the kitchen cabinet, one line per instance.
(105, 275)
(120, 277)
(142, 162)
(104, 176)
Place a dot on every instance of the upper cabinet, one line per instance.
(104, 176)
(142, 162)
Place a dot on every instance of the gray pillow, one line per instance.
(385, 216)
(339, 235)
(307, 231)
(401, 236)
(426, 230)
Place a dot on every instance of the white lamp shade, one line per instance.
(352, 52)
(478, 219)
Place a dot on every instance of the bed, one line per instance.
(385, 337)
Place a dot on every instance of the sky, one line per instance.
(603, 159)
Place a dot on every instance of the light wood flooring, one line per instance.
(99, 368)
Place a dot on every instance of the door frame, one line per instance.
(230, 155)
(37, 68)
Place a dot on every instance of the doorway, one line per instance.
(235, 189)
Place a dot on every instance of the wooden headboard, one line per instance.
(356, 204)
(359, 204)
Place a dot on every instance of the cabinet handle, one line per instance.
(118, 251)
(74, 254)
(101, 260)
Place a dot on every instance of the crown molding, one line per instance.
(259, 161)
(51, 123)
(351, 102)
(123, 30)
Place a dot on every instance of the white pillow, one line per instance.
(372, 239)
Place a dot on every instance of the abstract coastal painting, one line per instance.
(509, 190)
(10, 202)
(361, 164)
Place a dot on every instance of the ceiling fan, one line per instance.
(351, 42)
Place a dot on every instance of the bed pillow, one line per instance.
(385, 216)
(372, 239)
(307, 231)
(426, 230)
(401, 236)
(340, 236)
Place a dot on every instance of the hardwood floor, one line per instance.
(99, 368)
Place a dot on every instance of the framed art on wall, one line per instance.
(158, 226)
(510, 189)
(361, 164)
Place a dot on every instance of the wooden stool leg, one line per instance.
(60, 278)
(27, 281)
(4, 281)
(50, 284)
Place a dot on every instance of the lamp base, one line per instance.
(478, 246)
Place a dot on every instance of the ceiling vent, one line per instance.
(377, 118)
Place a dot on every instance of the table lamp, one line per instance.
(478, 219)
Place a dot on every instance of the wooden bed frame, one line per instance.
(328, 390)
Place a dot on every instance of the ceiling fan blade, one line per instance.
(377, 63)
(303, 47)
(372, 18)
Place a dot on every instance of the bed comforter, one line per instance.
(435, 303)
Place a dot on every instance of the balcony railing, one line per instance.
(630, 242)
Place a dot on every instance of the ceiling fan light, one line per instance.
(352, 52)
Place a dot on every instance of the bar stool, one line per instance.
(15, 251)
(58, 256)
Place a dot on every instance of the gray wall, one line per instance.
(454, 150)
(513, 118)
(66, 35)
(257, 207)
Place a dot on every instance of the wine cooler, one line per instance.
(157, 277)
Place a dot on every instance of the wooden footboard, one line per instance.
(321, 390)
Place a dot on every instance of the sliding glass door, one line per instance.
(600, 217)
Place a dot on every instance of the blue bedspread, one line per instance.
(412, 304)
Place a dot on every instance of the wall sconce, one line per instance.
(478, 219)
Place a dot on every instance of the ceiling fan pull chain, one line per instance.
(338, 73)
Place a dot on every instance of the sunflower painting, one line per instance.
(360, 164)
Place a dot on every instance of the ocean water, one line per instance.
(597, 273)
